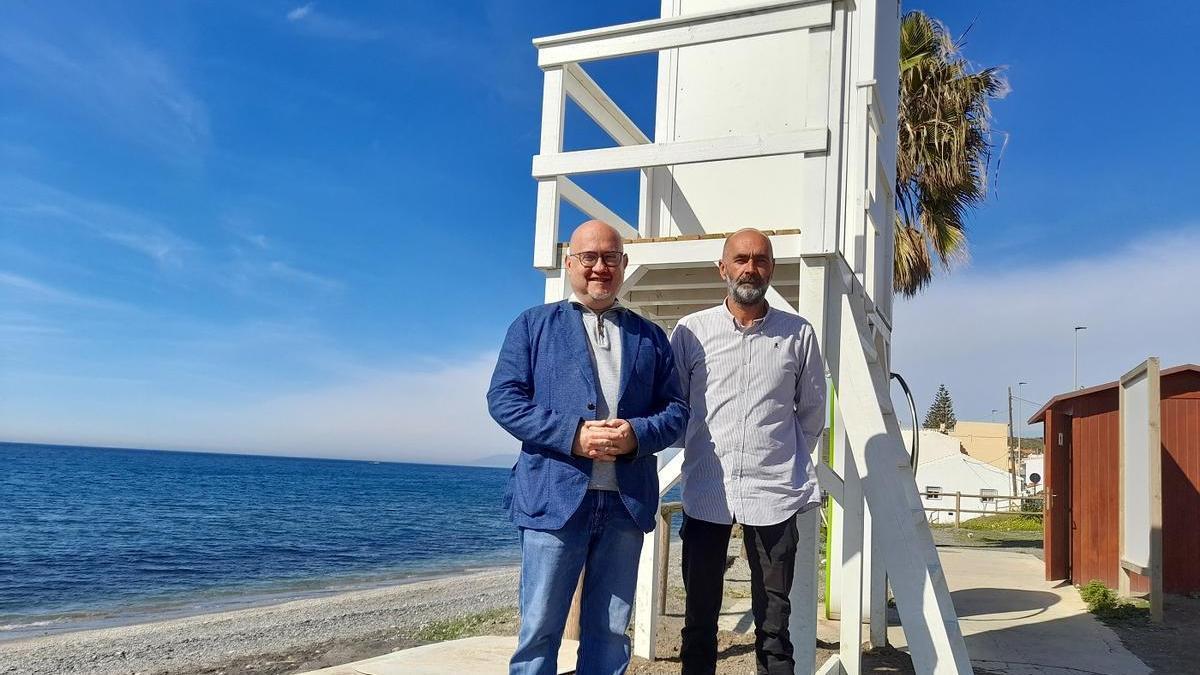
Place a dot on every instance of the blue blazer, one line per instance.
(544, 387)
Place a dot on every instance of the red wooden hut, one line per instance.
(1081, 437)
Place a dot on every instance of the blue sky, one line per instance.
(301, 228)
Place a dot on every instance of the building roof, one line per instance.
(1037, 416)
(977, 428)
(935, 445)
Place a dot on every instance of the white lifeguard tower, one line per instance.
(779, 115)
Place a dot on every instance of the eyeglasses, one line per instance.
(590, 258)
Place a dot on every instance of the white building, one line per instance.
(944, 471)
(1034, 473)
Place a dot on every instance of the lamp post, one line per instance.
(1020, 419)
(1077, 329)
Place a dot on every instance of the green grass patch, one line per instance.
(1104, 603)
(467, 626)
(1010, 522)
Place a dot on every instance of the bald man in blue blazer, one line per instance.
(590, 390)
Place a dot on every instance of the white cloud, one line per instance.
(433, 414)
(300, 12)
(981, 332)
(19, 289)
(131, 90)
(264, 273)
(258, 240)
(162, 246)
(319, 24)
(293, 274)
(126, 228)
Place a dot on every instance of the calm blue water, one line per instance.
(91, 534)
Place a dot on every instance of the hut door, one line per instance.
(1059, 523)
(1075, 549)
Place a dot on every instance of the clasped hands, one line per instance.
(604, 440)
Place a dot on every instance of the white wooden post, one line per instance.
(558, 286)
(545, 235)
(851, 591)
(646, 598)
(803, 624)
(837, 518)
(646, 199)
(913, 568)
(875, 582)
(646, 601)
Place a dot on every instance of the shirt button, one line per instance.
(591, 406)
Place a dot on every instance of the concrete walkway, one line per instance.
(1017, 624)
(1014, 624)
(474, 656)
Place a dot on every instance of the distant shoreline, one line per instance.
(282, 636)
(493, 461)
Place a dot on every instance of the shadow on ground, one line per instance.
(976, 601)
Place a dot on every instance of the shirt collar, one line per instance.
(754, 325)
(578, 304)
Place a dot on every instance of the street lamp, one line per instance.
(1077, 329)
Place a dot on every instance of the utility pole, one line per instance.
(1077, 329)
(1012, 461)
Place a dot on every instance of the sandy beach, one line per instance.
(282, 638)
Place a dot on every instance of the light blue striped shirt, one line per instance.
(758, 407)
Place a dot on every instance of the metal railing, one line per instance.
(915, 453)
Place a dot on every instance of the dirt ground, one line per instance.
(1170, 648)
(736, 655)
(736, 650)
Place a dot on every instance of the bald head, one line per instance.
(593, 233)
(748, 235)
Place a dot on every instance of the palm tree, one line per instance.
(945, 149)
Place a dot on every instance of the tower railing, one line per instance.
(561, 58)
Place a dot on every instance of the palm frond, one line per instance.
(945, 149)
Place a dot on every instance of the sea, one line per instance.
(91, 537)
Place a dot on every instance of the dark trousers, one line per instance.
(771, 551)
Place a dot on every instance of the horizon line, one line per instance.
(252, 454)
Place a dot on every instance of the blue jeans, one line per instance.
(603, 535)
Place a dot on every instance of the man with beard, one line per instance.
(590, 390)
(755, 382)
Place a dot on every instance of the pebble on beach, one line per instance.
(287, 637)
